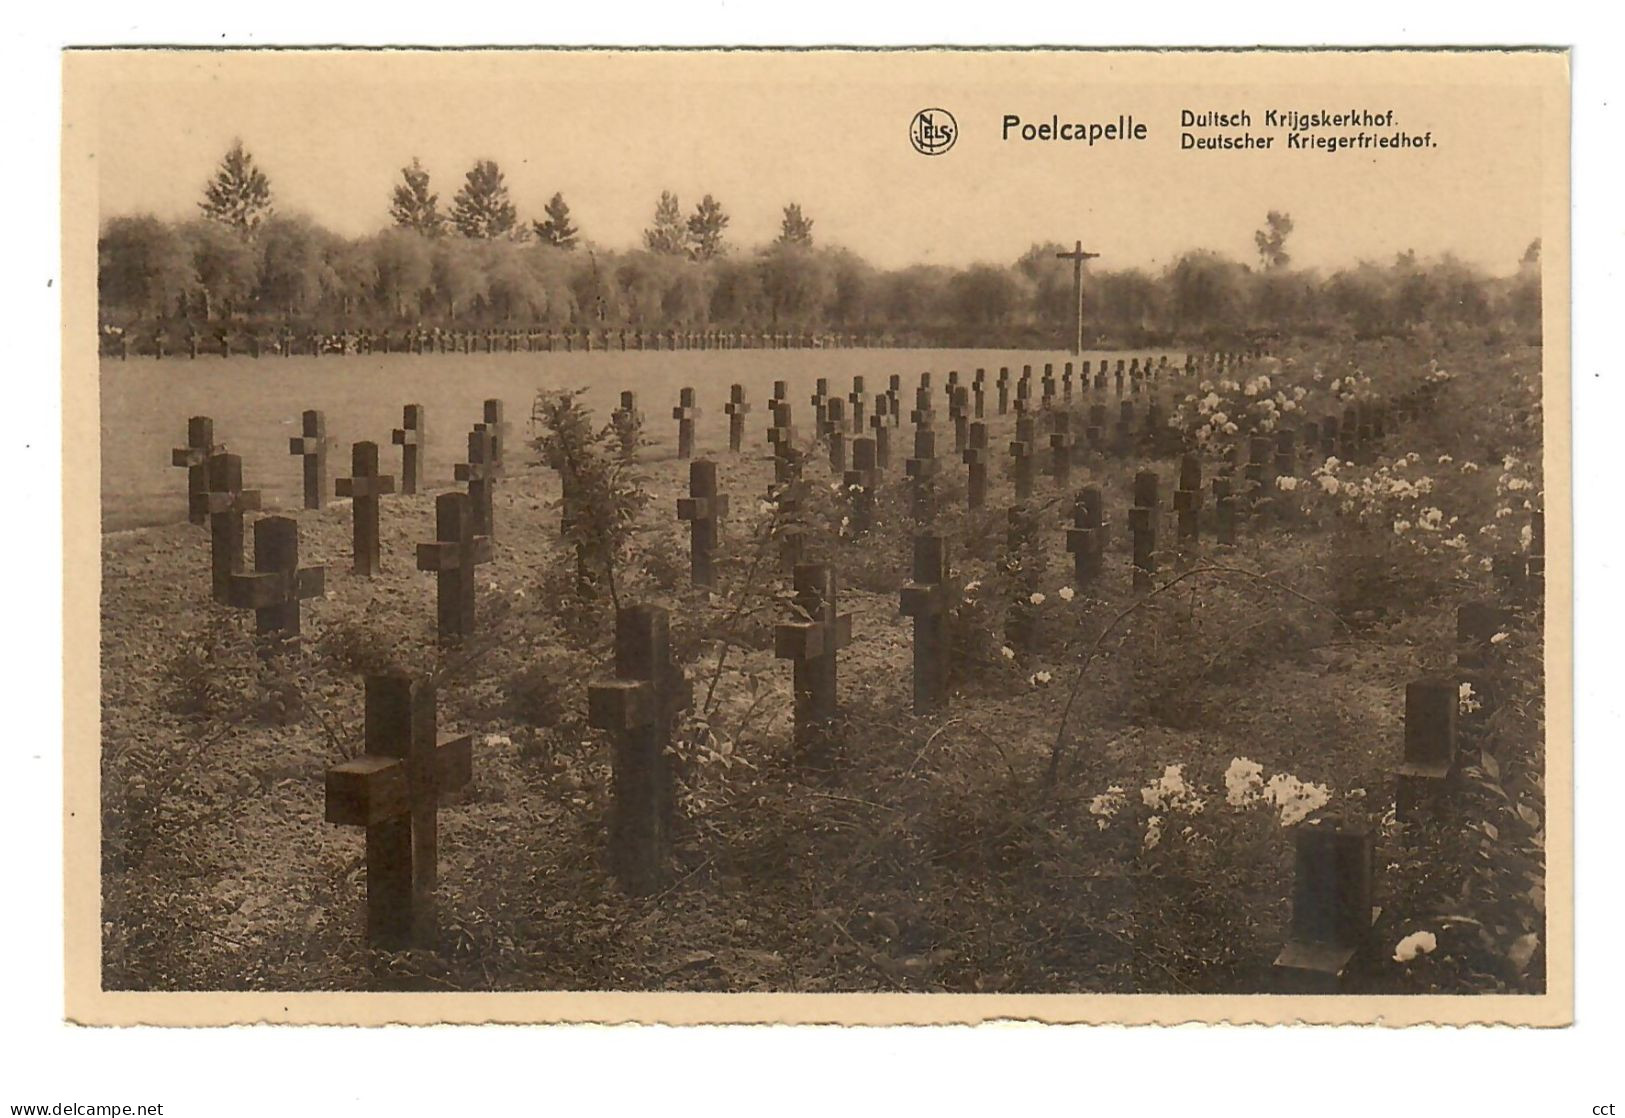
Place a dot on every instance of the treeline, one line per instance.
(243, 266)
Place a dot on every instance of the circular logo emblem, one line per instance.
(933, 131)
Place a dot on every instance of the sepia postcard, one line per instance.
(866, 536)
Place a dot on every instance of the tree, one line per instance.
(984, 295)
(796, 228)
(414, 206)
(1531, 255)
(458, 277)
(667, 234)
(142, 266)
(239, 195)
(225, 265)
(1271, 240)
(405, 272)
(293, 270)
(481, 208)
(705, 229)
(557, 230)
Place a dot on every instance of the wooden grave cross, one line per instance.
(200, 447)
(705, 510)
(481, 475)
(311, 445)
(393, 791)
(736, 409)
(1086, 539)
(278, 583)
(685, 413)
(410, 436)
(637, 708)
(364, 487)
(812, 642)
(928, 598)
(453, 556)
(225, 501)
(1021, 455)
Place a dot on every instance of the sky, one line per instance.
(831, 132)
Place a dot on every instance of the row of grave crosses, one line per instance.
(464, 521)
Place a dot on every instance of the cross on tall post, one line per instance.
(393, 790)
(364, 487)
(1077, 256)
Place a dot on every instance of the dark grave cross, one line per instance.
(1024, 392)
(921, 469)
(835, 432)
(736, 409)
(959, 412)
(857, 398)
(978, 391)
(393, 791)
(200, 447)
(1086, 539)
(1333, 884)
(782, 436)
(1118, 376)
(1142, 521)
(862, 481)
(1096, 431)
(1020, 539)
(627, 423)
(1061, 442)
(922, 414)
(453, 556)
(481, 478)
(278, 584)
(1066, 382)
(1124, 434)
(880, 424)
(705, 509)
(949, 389)
(311, 445)
(1048, 386)
(894, 393)
(497, 426)
(811, 643)
(928, 598)
(364, 487)
(1188, 501)
(1004, 391)
(685, 413)
(820, 403)
(225, 501)
(638, 708)
(1424, 773)
(977, 459)
(410, 436)
(1021, 456)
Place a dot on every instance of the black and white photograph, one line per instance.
(866, 536)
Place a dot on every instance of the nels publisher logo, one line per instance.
(933, 131)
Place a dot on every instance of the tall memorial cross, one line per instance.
(1078, 257)
(705, 509)
(200, 447)
(364, 486)
(311, 445)
(453, 556)
(928, 598)
(811, 643)
(410, 436)
(637, 708)
(393, 791)
(278, 583)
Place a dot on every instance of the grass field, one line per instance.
(256, 404)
